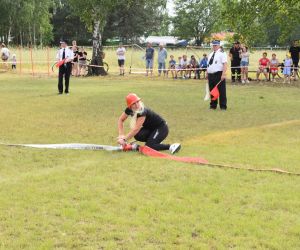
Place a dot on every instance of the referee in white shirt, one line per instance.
(217, 66)
(65, 53)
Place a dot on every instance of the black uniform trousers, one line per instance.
(213, 80)
(153, 138)
(236, 68)
(295, 65)
(64, 70)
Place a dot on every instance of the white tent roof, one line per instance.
(161, 39)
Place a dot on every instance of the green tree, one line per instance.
(26, 21)
(195, 18)
(131, 19)
(67, 25)
(288, 20)
(94, 14)
(261, 22)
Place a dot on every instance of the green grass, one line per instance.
(65, 199)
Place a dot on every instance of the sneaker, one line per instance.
(247, 81)
(174, 148)
(243, 82)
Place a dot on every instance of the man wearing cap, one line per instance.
(217, 66)
(234, 55)
(64, 54)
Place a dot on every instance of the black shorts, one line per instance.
(121, 62)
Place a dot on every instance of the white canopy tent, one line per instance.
(170, 40)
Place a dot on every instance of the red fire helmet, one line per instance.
(131, 99)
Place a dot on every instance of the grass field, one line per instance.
(65, 199)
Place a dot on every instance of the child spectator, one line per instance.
(178, 67)
(184, 65)
(244, 55)
(14, 62)
(193, 66)
(274, 67)
(287, 70)
(264, 64)
(172, 65)
(203, 65)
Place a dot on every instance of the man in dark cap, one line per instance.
(234, 55)
(64, 54)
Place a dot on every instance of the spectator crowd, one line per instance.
(184, 67)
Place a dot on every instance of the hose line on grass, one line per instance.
(274, 170)
(165, 156)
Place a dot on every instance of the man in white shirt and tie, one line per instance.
(66, 54)
(217, 66)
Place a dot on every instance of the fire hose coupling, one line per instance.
(130, 147)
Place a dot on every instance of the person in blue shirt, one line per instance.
(203, 65)
(162, 56)
(149, 56)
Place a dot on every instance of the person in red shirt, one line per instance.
(264, 64)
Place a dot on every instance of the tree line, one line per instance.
(45, 22)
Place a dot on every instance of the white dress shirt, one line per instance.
(68, 54)
(218, 63)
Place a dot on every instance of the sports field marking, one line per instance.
(238, 132)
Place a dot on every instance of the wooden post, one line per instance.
(48, 61)
(31, 59)
(20, 59)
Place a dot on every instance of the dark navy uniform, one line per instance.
(235, 62)
(295, 53)
(65, 69)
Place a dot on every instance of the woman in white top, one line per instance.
(244, 55)
(4, 55)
